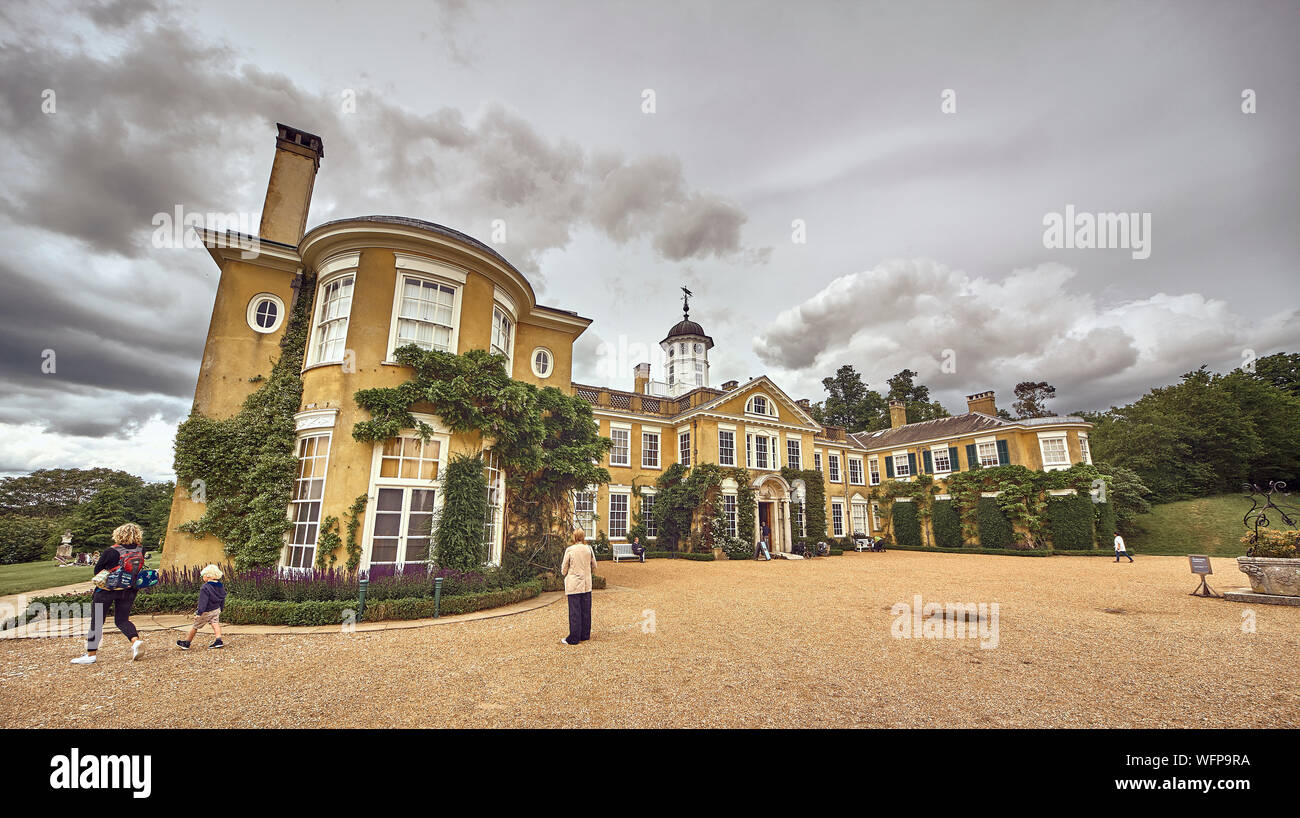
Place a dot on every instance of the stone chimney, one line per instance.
(288, 194)
(642, 374)
(981, 402)
(730, 385)
(804, 404)
(897, 414)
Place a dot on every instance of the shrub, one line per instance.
(464, 508)
(1272, 544)
(706, 556)
(995, 530)
(907, 524)
(737, 549)
(22, 539)
(1069, 521)
(1106, 522)
(602, 546)
(947, 524)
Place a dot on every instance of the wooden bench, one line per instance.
(623, 550)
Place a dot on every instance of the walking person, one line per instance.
(577, 567)
(212, 598)
(123, 562)
(1120, 550)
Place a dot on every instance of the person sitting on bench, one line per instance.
(637, 548)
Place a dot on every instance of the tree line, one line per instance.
(37, 508)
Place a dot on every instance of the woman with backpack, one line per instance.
(121, 566)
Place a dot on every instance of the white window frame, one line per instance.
(875, 516)
(859, 510)
(982, 455)
(729, 509)
(500, 313)
(723, 458)
(817, 459)
(833, 468)
(935, 452)
(286, 557)
(794, 452)
(837, 518)
(626, 511)
(901, 458)
(856, 461)
(873, 470)
(395, 317)
(584, 510)
(1085, 448)
(406, 485)
(646, 437)
(684, 446)
(647, 513)
(314, 354)
(626, 430)
(256, 301)
(550, 362)
(769, 406)
(494, 525)
(1055, 465)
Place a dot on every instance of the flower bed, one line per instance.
(326, 596)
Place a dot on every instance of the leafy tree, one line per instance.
(1032, 398)
(916, 397)
(1281, 370)
(55, 492)
(96, 518)
(849, 403)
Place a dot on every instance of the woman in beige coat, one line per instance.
(578, 566)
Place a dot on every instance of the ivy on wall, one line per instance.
(687, 501)
(353, 515)
(548, 442)
(947, 524)
(458, 541)
(995, 530)
(907, 523)
(815, 496)
(247, 463)
(1070, 521)
(328, 542)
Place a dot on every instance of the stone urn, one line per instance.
(1279, 576)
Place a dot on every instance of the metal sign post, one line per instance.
(1200, 564)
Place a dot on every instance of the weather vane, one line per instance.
(686, 302)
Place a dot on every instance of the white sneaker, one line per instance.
(84, 660)
(137, 649)
(564, 640)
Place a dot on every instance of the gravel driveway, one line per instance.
(1082, 642)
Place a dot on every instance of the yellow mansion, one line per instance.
(382, 282)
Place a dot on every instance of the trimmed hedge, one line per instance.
(995, 530)
(835, 552)
(327, 612)
(1069, 521)
(907, 524)
(680, 555)
(1106, 523)
(555, 582)
(999, 552)
(947, 524)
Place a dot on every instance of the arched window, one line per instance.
(761, 405)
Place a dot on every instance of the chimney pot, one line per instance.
(897, 413)
(730, 385)
(982, 402)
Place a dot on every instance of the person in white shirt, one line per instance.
(1120, 551)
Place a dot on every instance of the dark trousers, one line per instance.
(579, 617)
(120, 602)
(1119, 554)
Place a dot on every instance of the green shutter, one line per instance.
(929, 464)
(1004, 454)
(889, 466)
(911, 462)
(972, 459)
(952, 458)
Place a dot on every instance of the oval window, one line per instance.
(542, 362)
(265, 313)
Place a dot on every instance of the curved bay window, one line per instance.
(426, 314)
(308, 489)
(330, 333)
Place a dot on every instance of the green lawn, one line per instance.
(35, 576)
(1209, 525)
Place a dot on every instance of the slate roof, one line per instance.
(964, 424)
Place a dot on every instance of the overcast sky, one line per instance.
(924, 228)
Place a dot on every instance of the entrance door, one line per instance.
(765, 520)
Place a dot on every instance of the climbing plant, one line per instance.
(458, 541)
(947, 524)
(353, 515)
(1070, 521)
(907, 524)
(688, 499)
(547, 441)
(328, 542)
(815, 501)
(243, 467)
